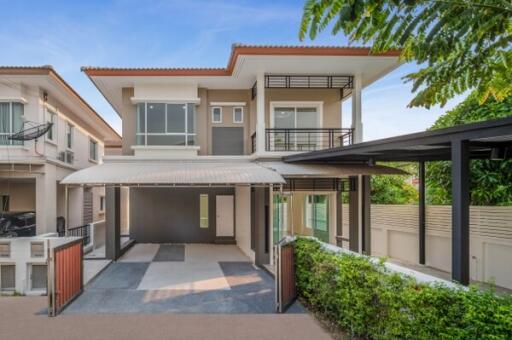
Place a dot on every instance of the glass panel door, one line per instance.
(307, 118)
(316, 214)
(281, 217)
(284, 118)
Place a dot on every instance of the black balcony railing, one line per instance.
(253, 142)
(81, 231)
(306, 139)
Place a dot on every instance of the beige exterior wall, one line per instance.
(395, 235)
(227, 114)
(129, 117)
(22, 195)
(44, 195)
(329, 99)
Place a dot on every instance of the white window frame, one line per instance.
(52, 117)
(213, 115)
(145, 134)
(241, 121)
(11, 120)
(70, 134)
(95, 142)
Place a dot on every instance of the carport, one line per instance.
(485, 140)
(167, 200)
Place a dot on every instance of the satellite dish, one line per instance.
(33, 132)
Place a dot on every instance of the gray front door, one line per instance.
(228, 140)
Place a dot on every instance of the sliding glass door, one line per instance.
(316, 213)
(281, 214)
(289, 118)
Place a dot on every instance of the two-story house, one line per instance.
(31, 171)
(202, 149)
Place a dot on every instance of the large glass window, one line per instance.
(165, 124)
(316, 215)
(11, 121)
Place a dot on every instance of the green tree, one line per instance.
(394, 189)
(460, 45)
(490, 180)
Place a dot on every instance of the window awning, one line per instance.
(300, 170)
(175, 172)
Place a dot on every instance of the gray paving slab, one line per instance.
(120, 275)
(170, 253)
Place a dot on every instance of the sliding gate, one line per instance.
(65, 275)
(286, 291)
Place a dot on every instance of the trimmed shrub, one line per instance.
(365, 300)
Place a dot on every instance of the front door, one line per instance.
(225, 216)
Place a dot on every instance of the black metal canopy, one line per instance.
(485, 140)
(489, 139)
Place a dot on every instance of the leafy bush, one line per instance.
(490, 180)
(394, 189)
(365, 300)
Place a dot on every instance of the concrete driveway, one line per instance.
(191, 278)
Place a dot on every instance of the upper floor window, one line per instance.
(238, 114)
(93, 150)
(51, 117)
(166, 124)
(296, 116)
(11, 121)
(69, 135)
(216, 115)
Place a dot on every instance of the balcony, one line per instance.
(304, 139)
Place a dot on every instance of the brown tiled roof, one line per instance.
(50, 71)
(236, 50)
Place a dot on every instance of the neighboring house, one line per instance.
(201, 152)
(30, 171)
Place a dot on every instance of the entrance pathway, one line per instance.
(191, 278)
(23, 318)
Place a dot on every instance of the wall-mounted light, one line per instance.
(45, 96)
(498, 154)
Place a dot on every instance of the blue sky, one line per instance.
(167, 33)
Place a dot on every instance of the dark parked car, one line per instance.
(18, 224)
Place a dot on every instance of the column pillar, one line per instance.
(357, 123)
(366, 216)
(112, 222)
(46, 200)
(261, 226)
(353, 214)
(421, 206)
(460, 211)
(339, 219)
(260, 113)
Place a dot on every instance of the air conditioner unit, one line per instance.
(70, 157)
(62, 156)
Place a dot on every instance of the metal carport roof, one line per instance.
(174, 172)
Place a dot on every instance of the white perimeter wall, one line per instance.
(243, 220)
(395, 235)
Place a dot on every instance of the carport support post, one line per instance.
(112, 222)
(261, 225)
(366, 217)
(421, 205)
(460, 211)
(353, 214)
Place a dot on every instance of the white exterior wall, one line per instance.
(20, 257)
(243, 220)
(48, 201)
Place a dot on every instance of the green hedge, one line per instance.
(365, 300)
